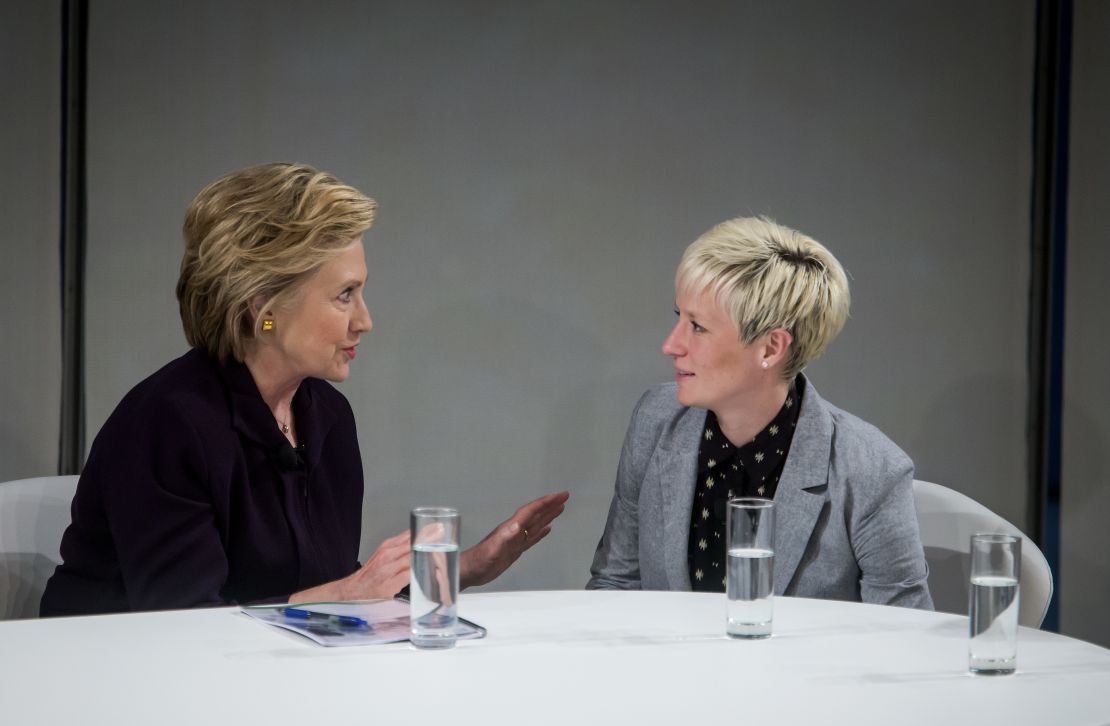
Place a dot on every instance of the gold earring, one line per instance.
(267, 325)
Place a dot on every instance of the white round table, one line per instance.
(549, 658)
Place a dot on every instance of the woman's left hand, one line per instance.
(486, 560)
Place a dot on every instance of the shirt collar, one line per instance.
(252, 417)
(716, 448)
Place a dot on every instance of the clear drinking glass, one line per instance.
(750, 534)
(434, 580)
(993, 607)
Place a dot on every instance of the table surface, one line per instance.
(550, 657)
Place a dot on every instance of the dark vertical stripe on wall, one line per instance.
(1046, 304)
(71, 449)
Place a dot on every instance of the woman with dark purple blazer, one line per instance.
(233, 475)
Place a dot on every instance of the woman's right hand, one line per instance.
(384, 574)
(381, 577)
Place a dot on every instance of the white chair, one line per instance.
(947, 519)
(33, 515)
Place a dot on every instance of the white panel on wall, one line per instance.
(30, 318)
(1085, 477)
(540, 168)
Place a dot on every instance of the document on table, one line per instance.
(365, 622)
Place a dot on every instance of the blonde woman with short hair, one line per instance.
(757, 302)
(232, 475)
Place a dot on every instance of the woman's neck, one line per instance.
(276, 388)
(740, 423)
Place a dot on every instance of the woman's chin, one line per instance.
(339, 374)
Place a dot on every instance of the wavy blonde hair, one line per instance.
(767, 276)
(255, 234)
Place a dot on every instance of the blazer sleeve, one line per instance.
(616, 564)
(886, 540)
(159, 504)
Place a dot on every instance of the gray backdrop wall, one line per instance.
(540, 169)
(30, 317)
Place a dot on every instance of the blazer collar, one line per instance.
(252, 418)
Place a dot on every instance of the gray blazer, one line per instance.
(845, 525)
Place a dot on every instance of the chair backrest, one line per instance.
(33, 515)
(947, 520)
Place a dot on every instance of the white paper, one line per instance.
(388, 622)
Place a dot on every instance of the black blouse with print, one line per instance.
(726, 471)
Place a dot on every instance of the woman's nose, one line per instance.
(362, 322)
(672, 344)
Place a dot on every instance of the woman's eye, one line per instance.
(697, 328)
(345, 296)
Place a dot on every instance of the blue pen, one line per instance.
(349, 620)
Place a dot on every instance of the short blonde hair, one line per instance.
(256, 233)
(768, 276)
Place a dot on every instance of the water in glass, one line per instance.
(994, 623)
(749, 592)
(434, 594)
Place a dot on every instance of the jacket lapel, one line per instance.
(314, 421)
(803, 486)
(678, 472)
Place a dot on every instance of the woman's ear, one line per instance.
(261, 318)
(255, 305)
(776, 347)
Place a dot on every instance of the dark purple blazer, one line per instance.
(186, 499)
